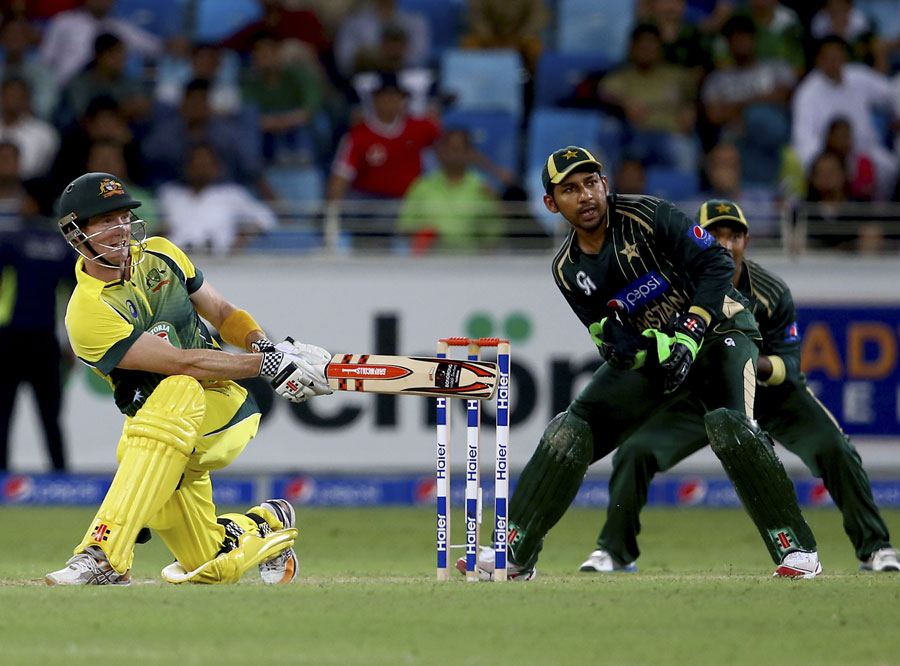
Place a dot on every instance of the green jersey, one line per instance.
(654, 264)
(773, 307)
(104, 319)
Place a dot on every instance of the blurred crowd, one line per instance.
(418, 125)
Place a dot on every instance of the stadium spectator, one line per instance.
(378, 159)
(830, 223)
(34, 264)
(857, 166)
(101, 120)
(108, 156)
(20, 60)
(36, 139)
(68, 42)
(507, 24)
(630, 176)
(683, 42)
(206, 62)
(104, 75)
(204, 213)
(747, 102)
(779, 34)
(723, 180)
(841, 18)
(360, 35)
(657, 101)
(300, 24)
(381, 155)
(827, 179)
(837, 88)
(287, 98)
(235, 137)
(452, 207)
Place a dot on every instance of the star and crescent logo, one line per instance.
(569, 154)
(723, 208)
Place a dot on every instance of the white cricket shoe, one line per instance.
(883, 559)
(486, 567)
(283, 567)
(88, 568)
(600, 561)
(799, 564)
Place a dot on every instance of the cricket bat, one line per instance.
(413, 375)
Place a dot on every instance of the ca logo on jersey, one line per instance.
(585, 282)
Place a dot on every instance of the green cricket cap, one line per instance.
(563, 162)
(716, 211)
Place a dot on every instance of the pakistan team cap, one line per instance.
(715, 211)
(563, 162)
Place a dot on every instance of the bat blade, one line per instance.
(413, 375)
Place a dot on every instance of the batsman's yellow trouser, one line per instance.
(163, 476)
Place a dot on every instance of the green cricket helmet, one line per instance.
(88, 196)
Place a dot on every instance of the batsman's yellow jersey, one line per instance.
(104, 319)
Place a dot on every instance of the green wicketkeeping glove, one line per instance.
(619, 346)
(676, 352)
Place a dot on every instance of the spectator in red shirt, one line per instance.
(379, 158)
(300, 24)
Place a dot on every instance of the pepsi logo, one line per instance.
(818, 494)
(691, 492)
(300, 490)
(425, 491)
(617, 304)
(700, 236)
(17, 488)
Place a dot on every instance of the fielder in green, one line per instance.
(784, 406)
(654, 290)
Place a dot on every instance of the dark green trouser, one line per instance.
(616, 402)
(792, 416)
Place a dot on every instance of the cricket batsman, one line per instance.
(654, 290)
(784, 406)
(134, 318)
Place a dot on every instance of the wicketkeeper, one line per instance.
(654, 290)
(135, 319)
(784, 406)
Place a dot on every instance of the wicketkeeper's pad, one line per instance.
(548, 484)
(768, 496)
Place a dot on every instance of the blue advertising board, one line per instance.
(850, 357)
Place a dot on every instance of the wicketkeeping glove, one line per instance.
(292, 376)
(677, 351)
(622, 348)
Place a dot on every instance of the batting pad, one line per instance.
(157, 443)
(761, 483)
(229, 567)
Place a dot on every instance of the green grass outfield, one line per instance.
(366, 595)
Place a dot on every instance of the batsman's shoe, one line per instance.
(799, 564)
(88, 568)
(600, 561)
(883, 559)
(486, 567)
(283, 567)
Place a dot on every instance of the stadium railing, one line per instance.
(370, 226)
